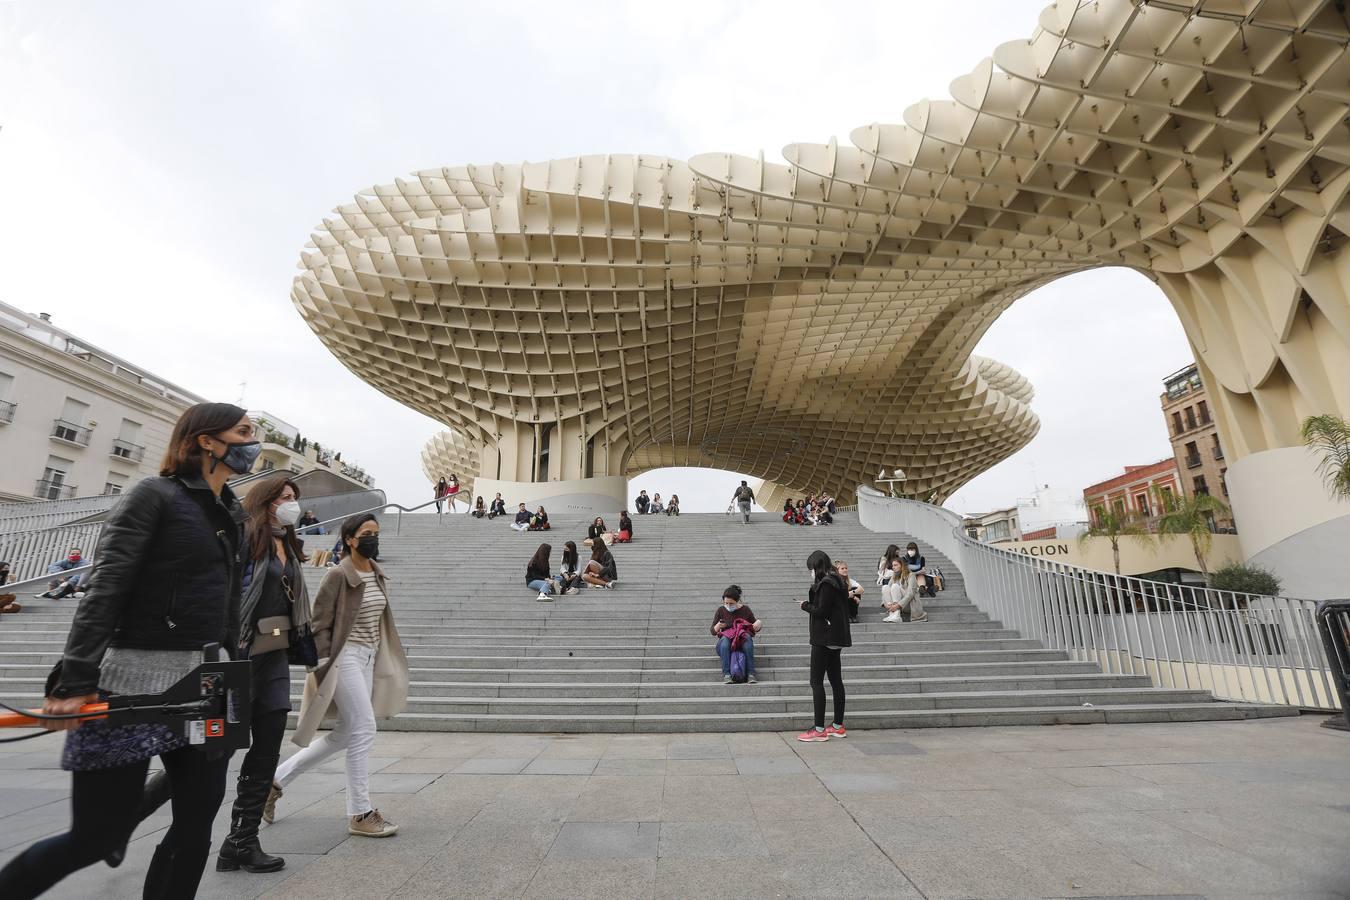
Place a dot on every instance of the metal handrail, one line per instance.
(1237, 646)
(398, 526)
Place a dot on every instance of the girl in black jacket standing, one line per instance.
(829, 607)
(165, 584)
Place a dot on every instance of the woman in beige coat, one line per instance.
(900, 595)
(362, 671)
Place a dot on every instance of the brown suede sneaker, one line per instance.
(372, 824)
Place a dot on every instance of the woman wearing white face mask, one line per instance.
(735, 627)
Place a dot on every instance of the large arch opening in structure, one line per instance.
(651, 309)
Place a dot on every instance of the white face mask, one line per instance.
(288, 513)
(730, 607)
(914, 553)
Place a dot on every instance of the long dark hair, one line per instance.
(819, 563)
(892, 553)
(258, 505)
(569, 556)
(598, 549)
(539, 562)
(183, 457)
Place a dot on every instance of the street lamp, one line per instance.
(897, 477)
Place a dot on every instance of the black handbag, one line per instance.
(302, 650)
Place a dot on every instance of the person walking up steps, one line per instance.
(743, 497)
(828, 606)
(362, 669)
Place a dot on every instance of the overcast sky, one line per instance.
(163, 163)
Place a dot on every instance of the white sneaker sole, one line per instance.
(388, 832)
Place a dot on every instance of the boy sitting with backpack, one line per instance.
(735, 627)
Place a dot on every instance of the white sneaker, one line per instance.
(893, 617)
(544, 598)
(571, 590)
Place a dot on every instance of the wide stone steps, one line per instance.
(485, 655)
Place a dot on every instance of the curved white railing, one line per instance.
(1237, 646)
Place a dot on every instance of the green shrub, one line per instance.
(1245, 579)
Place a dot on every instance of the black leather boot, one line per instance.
(241, 849)
(155, 794)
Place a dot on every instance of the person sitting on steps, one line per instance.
(673, 507)
(7, 604)
(625, 534)
(601, 570)
(569, 579)
(915, 562)
(539, 521)
(498, 507)
(855, 591)
(537, 576)
(522, 522)
(642, 502)
(597, 530)
(656, 508)
(64, 587)
(900, 596)
(725, 628)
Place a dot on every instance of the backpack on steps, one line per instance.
(738, 667)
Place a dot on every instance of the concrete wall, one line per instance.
(591, 496)
(1288, 522)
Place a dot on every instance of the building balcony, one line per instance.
(7, 411)
(70, 433)
(49, 489)
(126, 450)
(1193, 462)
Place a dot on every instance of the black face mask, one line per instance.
(369, 546)
(239, 458)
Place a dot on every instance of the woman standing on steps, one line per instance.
(164, 588)
(828, 606)
(361, 667)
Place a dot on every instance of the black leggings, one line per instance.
(104, 804)
(825, 661)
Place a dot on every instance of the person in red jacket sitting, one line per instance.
(733, 615)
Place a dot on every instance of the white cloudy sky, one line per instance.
(162, 164)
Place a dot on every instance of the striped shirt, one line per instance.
(366, 630)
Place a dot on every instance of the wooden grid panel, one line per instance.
(812, 322)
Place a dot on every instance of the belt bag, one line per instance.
(273, 633)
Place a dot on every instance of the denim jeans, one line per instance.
(724, 651)
(541, 586)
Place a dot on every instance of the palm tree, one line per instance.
(1114, 526)
(1192, 516)
(1330, 435)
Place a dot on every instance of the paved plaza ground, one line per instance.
(1215, 810)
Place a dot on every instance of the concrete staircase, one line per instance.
(487, 656)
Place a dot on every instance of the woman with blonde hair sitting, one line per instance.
(900, 595)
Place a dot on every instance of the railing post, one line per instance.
(1333, 621)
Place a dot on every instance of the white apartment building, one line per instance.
(76, 421)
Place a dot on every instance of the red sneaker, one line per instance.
(836, 731)
(810, 735)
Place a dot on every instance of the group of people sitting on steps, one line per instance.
(818, 510)
(904, 579)
(600, 571)
(652, 506)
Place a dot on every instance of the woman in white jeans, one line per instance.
(362, 668)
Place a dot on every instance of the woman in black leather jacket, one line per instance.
(165, 584)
